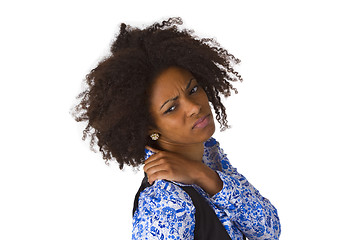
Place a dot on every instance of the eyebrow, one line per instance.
(173, 99)
(188, 85)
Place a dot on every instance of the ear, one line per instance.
(153, 130)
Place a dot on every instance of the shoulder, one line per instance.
(211, 142)
(164, 192)
(164, 210)
(214, 155)
(211, 149)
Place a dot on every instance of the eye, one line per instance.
(170, 109)
(194, 89)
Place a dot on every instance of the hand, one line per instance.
(171, 166)
(174, 167)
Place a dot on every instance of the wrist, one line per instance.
(208, 180)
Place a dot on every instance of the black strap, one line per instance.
(207, 224)
(144, 184)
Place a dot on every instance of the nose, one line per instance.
(192, 108)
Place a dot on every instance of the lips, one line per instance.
(201, 121)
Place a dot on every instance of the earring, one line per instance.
(155, 136)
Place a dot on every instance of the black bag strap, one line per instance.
(144, 184)
(207, 224)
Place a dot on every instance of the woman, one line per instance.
(152, 93)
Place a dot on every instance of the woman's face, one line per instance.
(180, 108)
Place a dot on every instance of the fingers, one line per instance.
(157, 156)
(153, 156)
(152, 162)
(157, 167)
(162, 174)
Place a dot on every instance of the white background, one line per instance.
(295, 122)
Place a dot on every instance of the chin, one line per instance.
(208, 131)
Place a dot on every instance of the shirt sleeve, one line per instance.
(252, 213)
(163, 217)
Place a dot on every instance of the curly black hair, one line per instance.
(115, 102)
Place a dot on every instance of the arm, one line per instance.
(253, 214)
(163, 216)
(175, 167)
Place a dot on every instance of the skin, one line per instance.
(177, 102)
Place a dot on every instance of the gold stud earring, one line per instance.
(155, 136)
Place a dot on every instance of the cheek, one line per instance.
(204, 100)
(167, 122)
(173, 127)
(173, 122)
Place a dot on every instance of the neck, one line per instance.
(192, 151)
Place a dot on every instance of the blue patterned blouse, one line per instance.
(165, 211)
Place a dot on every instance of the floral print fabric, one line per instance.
(165, 211)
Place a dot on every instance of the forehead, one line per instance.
(169, 84)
